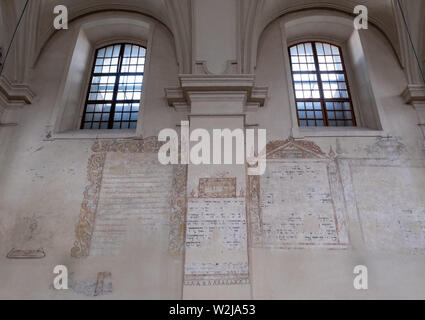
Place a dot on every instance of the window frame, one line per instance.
(318, 74)
(117, 75)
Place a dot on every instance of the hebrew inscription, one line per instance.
(216, 224)
(392, 214)
(298, 203)
(297, 206)
(135, 192)
(217, 188)
(216, 219)
(129, 192)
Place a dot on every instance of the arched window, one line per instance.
(322, 93)
(113, 98)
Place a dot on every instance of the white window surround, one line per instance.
(335, 28)
(89, 34)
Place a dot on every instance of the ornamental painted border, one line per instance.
(291, 149)
(86, 221)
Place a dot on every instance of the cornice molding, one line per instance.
(414, 94)
(212, 86)
(14, 94)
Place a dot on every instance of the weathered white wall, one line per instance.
(43, 182)
(379, 178)
(313, 273)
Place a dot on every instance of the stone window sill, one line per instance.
(300, 133)
(92, 134)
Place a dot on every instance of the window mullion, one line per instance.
(116, 88)
(319, 82)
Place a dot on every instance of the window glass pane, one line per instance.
(117, 49)
(109, 51)
(101, 53)
(308, 49)
(301, 50)
(302, 57)
(328, 57)
(319, 48)
(134, 51)
(306, 86)
(133, 124)
(322, 95)
(114, 95)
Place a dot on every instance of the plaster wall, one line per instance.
(375, 181)
(43, 184)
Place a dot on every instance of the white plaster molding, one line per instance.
(216, 87)
(19, 63)
(180, 16)
(201, 67)
(249, 16)
(407, 56)
(176, 99)
(257, 15)
(302, 133)
(414, 94)
(92, 135)
(173, 15)
(232, 67)
(14, 94)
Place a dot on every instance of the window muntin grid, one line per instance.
(113, 100)
(321, 88)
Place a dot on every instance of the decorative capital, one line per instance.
(414, 94)
(14, 94)
(209, 86)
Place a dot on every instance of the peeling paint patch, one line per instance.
(100, 286)
(391, 147)
(35, 174)
(27, 229)
(26, 254)
(94, 287)
(39, 149)
(30, 232)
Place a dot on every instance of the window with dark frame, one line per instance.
(322, 93)
(113, 98)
